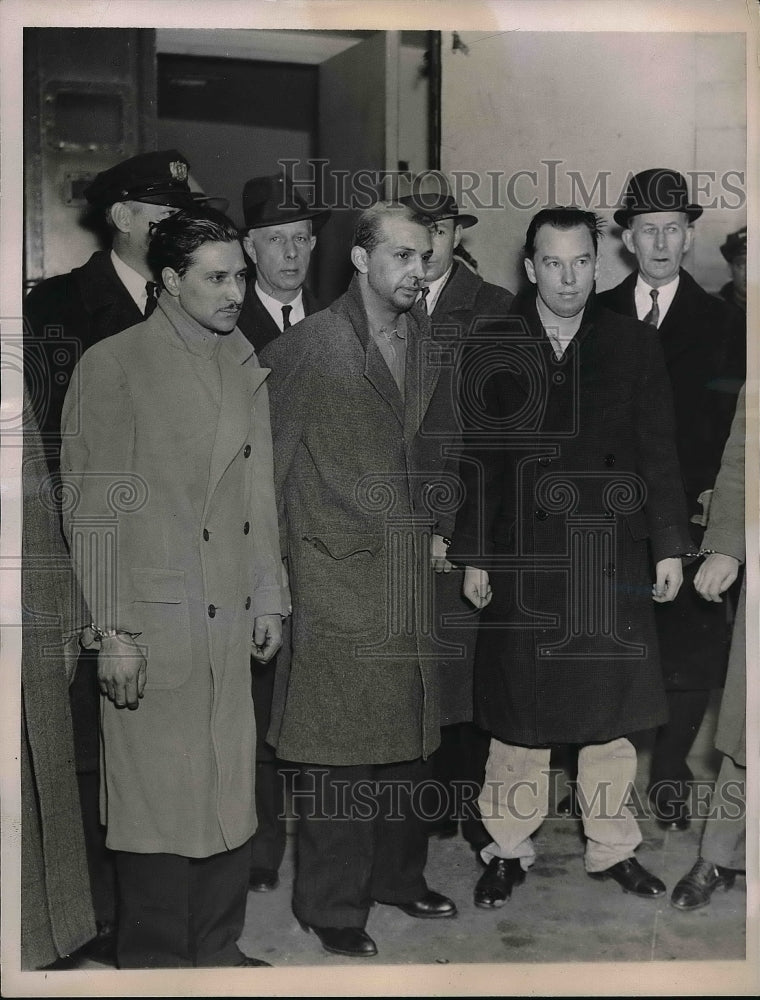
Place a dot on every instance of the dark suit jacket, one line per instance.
(256, 323)
(698, 335)
(63, 317)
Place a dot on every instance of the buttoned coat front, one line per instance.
(356, 472)
(571, 475)
(167, 462)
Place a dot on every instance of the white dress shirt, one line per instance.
(274, 307)
(436, 287)
(666, 294)
(132, 281)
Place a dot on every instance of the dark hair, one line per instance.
(176, 238)
(368, 233)
(562, 217)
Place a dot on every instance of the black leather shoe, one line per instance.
(432, 904)
(351, 941)
(670, 813)
(568, 806)
(694, 890)
(252, 963)
(102, 948)
(494, 887)
(263, 880)
(632, 878)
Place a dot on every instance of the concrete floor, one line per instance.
(558, 918)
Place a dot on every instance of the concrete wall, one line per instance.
(603, 105)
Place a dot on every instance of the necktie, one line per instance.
(286, 311)
(151, 291)
(424, 292)
(653, 316)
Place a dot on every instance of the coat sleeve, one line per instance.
(725, 528)
(97, 429)
(269, 595)
(657, 458)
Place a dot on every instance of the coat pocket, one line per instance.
(341, 582)
(159, 600)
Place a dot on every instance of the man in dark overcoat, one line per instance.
(699, 335)
(172, 527)
(280, 234)
(355, 389)
(456, 298)
(63, 317)
(570, 477)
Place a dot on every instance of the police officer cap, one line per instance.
(736, 245)
(158, 178)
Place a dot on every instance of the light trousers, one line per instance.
(724, 834)
(515, 801)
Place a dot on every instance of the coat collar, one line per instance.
(459, 292)
(101, 287)
(421, 374)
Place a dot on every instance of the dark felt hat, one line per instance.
(274, 201)
(735, 245)
(656, 190)
(158, 178)
(429, 194)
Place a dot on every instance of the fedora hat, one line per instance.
(429, 194)
(656, 190)
(273, 201)
(735, 245)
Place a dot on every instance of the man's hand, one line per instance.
(438, 559)
(669, 577)
(715, 575)
(122, 671)
(476, 587)
(267, 637)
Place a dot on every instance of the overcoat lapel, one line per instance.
(239, 384)
(422, 373)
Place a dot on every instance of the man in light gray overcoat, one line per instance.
(361, 409)
(170, 516)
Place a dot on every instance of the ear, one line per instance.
(121, 216)
(530, 270)
(171, 281)
(627, 238)
(312, 242)
(360, 259)
(688, 239)
(249, 248)
(457, 235)
(596, 266)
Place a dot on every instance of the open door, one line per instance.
(358, 136)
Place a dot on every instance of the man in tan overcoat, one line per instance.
(170, 516)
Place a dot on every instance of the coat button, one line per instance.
(211, 611)
(247, 604)
(247, 451)
(246, 527)
(609, 460)
(545, 460)
(609, 569)
(541, 515)
(205, 534)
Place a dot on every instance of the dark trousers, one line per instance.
(673, 742)
(268, 843)
(177, 912)
(359, 840)
(459, 766)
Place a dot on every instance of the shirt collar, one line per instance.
(132, 281)
(436, 287)
(274, 307)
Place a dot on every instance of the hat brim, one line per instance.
(173, 199)
(463, 220)
(211, 201)
(317, 218)
(623, 215)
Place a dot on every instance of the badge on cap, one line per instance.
(178, 170)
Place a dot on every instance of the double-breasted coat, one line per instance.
(571, 475)
(698, 334)
(170, 471)
(725, 533)
(465, 300)
(356, 471)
